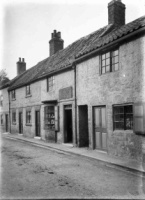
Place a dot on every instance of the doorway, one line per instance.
(68, 124)
(37, 123)
(83, 126)
(6, 123)
(20, 122)
(100, 130)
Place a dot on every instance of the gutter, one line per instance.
(91, 54)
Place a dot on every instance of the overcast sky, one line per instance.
(26, 26)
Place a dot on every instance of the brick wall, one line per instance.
(123, 86)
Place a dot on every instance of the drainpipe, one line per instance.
(9, 111)
(75, 96)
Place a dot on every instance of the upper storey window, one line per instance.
(28, 90)
(50, 83)
(110, 61)
(13, 94)
(1, 100)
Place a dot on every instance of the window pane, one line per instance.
(103, 63)
(116, 59)
(116, 67)
(108, 68)
(118, 109)
(129, 121)
(119, 117)
(129, 109)
(103, 56)
(108, 61)
(108, 55)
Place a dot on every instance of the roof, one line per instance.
(4, 83)
(64, 58)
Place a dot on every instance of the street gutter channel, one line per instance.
(60, 151)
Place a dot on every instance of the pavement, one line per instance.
(123, 163)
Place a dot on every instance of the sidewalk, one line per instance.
(126, 164)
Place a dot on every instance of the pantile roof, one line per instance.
(65, 57)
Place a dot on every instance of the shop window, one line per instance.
(28, 90)
(123, 117)
(1, 100)
(50, 83)
(49, 117)
(13, 94)
(13, 117)
(110, 61)
(28, 117)
(2, 120)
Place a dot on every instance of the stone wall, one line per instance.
(124, 86)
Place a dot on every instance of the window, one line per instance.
(2, 120)
(28, 90)
(50, 83)
(1, 100)
(110, 62)
(13, 117)
(13, 94)
(123, 117)
(28, 117)
(49, 117)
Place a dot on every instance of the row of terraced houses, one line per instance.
(90, 94)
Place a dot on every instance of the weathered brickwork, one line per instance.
(22, 103)
(61, 81)
(124, 86)
(4, 109)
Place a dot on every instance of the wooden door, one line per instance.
(100, 130)
(20, 123)
(37, 123)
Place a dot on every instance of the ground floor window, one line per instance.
(49, 118)
(123, 117)
(13, 117)
(28, 117)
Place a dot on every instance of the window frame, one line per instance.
(50, 83)
(48, 125)
(28, 117)
(13, 94)
(124, 113)
(28, 92)
(1, 100)
(109, 61)
(14, 117)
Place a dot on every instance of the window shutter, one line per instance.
(56, 118)
(139, 118)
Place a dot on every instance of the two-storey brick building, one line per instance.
(90, 93)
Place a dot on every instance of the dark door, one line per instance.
(68, 125)
(37, 123)
(100, 131)
(20, 122)
(6, 122)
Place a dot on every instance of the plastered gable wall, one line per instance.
(22, 103)
(5, 108)
(62, 80)
(124, 86)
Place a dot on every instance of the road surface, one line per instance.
(28, 171)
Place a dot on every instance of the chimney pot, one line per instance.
(19, 59)
(23, 60)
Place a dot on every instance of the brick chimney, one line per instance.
(116, 13)
(21, 66)
(56, 43)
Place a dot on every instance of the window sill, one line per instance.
(29, 95)
(123, 131)
(28, 124)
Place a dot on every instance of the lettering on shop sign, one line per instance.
(66, 93)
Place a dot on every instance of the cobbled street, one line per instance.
(28, 171)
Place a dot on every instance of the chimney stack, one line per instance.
(56, 43)
(21, 66)
(116, 13)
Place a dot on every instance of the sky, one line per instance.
(26, 26)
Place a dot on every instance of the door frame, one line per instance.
(64, 123)
(93, 128)
(39, 123)
(20, 112)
